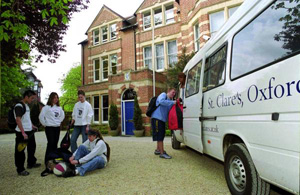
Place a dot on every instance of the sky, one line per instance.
(51, 74)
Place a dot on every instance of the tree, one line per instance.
(290, 34)
(69, 88)
(34, 24)
(113, 117)
(137, 115)
(172, 73)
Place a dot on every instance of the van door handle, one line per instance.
(207, 118)
(184, 107)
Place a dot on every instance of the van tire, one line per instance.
(240, 173)
(175, 142)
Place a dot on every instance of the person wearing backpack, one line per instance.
(51, 117)
(164, 102)
(25, 132)
(93, 154)
(81, 118)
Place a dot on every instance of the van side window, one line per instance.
(214, 73)
(272, 36)
(193, 80)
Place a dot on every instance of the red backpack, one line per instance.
(176, 116)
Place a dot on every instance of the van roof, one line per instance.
(246, 7)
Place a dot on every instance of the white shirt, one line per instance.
(82, 113)
(25, 120)
(51, 116)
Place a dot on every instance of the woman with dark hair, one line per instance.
(51, 117)
(93, 154)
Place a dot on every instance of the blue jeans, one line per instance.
(77, 130)
(95, 163)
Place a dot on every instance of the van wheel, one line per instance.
(175, 142)
(240, 173)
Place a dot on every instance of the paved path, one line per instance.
(133, 169)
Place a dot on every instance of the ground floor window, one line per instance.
(96, 109)
(105, 105)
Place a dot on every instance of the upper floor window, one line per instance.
(96, 63)
(216, 20)
(113, 64)
(113, 31)
(197, 37)
(96, 37)
(105, 68)
(148, 57)
(169, 14)
(214, 72)
(172, 53)
(158, 17)
(147, 20)
(160, 59)
(271, 36)
(104, 34)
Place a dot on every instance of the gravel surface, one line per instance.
(133, 169)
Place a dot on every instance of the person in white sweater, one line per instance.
(93, 154)
(81, 118)
(51, 117)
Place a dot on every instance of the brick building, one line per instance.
(117, 55)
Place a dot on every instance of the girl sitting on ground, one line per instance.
(92, 154)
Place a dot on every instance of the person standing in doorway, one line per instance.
(51, 117)
(158, 121)
(25, 133)
(181, 78)
(81, 118)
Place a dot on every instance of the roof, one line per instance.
(104, 7)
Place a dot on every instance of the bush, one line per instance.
(113, 117)
(102, 128)
(137, 115)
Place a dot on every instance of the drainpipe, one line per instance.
(134, 39)
(82, 62)
(153, 53)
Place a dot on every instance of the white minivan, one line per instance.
(242, 98)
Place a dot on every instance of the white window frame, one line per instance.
(96, 36)
(150, 25)
(102, 109)
(110, 64)
(158, 15)
(172, 54)
(169, 20)
(102, 67)
(94, 69)
(102, 34)
(113, 30)
(149, 58)
(96, 109)
(196, 39)
(161, 56)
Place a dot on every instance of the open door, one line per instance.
(192, 109)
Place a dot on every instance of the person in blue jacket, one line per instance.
(159, 118)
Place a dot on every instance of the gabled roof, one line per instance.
(104, 7)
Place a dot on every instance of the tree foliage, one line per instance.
(137, 115)
(172, 73)
(69, 88)
(290, 34)
(113, 117)
(34, 24)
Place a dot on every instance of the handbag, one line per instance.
(66, 141)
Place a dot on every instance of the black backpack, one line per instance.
(151, 106)
(11, 120)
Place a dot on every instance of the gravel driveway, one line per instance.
(133, 169)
